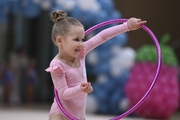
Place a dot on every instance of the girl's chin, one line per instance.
(77, 54)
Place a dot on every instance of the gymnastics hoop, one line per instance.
(150, 88)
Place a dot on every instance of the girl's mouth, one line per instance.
(77, 50)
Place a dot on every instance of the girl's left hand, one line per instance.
(86, 87)
(135, 23)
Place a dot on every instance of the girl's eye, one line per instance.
(79, 40)
(76, 39)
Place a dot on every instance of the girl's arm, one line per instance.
(105, 35)
(64, 91)
(131, 24)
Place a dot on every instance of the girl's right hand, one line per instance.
(86, 87)
(135, 23)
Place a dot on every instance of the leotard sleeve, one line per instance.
(105, 35)
(59, 81)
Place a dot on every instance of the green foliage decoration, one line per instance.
(149, 53)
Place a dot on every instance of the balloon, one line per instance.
(108, 44)
(157, 103)
(103, 108)
(100, 92)
(107, 5)
(102, 68)
(83, 16)
(103, 54)
(87, 5)
(15, 7)
(122, 60)
(30, 9)
(92, 104)
(93, 58)
(37, 1)
(116, 71)
(67, 5)
(116, 96)
(3, 17)
(127, 57)
(115, 14)
(4, 10)
(120, 39)
(55, 7)
(102, 79)
(101, 16)
(45, 4)
(124, 104)
(116, 49)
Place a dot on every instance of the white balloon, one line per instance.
(126, 57)
(37, 1)
(59, 2)
(123, 59)
(92, 104)
(45, 4)
(130, 52)
(115, 67)
(124, 104)
(116, 71)
(88, 5)
(96, 8)
(92, 57)
(116, 49)
(69, 5)
(102, 78)
(114, 61)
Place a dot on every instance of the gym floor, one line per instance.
(41, 113)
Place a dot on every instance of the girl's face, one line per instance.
(72, 44)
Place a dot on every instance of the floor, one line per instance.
(41, 113)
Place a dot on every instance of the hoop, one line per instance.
(150, 88)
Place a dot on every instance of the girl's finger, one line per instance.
(143, 22)
(83, 84)
(139, 20)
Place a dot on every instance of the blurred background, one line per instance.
(121, 70)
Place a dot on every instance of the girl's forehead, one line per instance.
(77, 31)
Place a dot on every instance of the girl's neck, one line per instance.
(66, 57)
(71, 61)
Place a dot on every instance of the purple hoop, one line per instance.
(150, 88)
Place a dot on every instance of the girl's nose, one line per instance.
(81, 44)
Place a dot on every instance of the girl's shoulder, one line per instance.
(82, 53)
(55, 65)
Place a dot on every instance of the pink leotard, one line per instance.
(67, 79)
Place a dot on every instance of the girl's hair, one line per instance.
(62, 24)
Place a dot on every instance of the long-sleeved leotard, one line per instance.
(67, 80)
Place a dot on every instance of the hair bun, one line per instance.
(58, 15)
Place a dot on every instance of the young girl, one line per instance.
(68, 69)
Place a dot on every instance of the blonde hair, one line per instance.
(62, 24)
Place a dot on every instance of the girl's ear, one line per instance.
(58, 40)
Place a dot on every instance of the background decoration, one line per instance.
(163, 100)
(109, 77)
(4, 10)
(30, 9)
